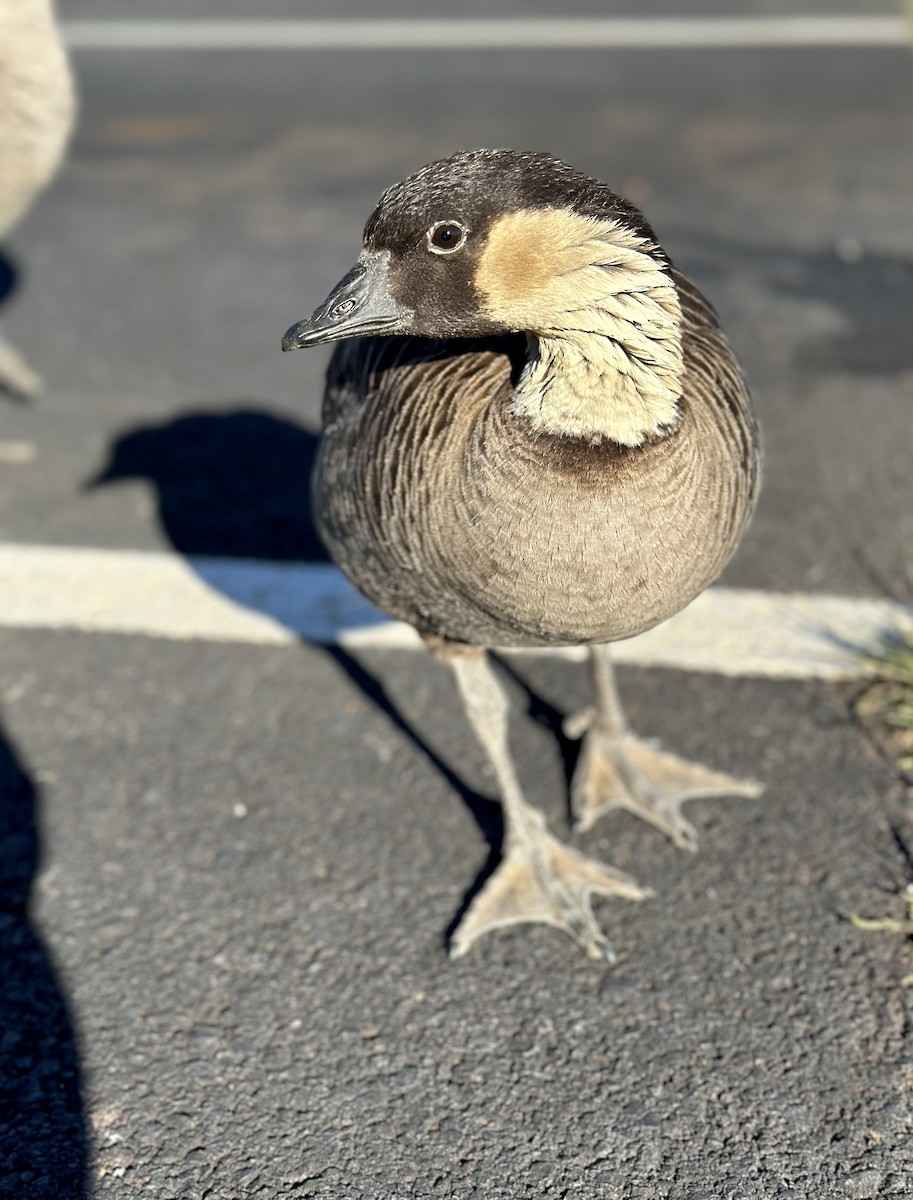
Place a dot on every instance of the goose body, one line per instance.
(535, 433)
(37, 106)
(449, 511)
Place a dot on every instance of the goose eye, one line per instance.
(446, 236)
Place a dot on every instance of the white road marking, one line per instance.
(727, 631)
(695, 33)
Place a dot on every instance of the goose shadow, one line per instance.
(236, 484)
(10, 278)
(43, 1143)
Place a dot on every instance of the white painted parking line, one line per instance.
(728, 631)
(656, 33)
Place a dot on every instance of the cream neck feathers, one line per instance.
(603, 320)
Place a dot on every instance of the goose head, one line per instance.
(484, 242)
(501, 241)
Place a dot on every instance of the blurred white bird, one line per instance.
(37, 106)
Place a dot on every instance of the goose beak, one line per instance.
(359, 304)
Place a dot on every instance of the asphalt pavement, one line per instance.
(227, 872)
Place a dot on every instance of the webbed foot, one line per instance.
(619, 770)
(541, 879)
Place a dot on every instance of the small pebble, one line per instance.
(848, 248)
(864, 1186)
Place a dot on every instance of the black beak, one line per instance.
(359, 304)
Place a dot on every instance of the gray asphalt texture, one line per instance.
(227, 873)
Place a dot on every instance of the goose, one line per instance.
(37, 106)
(534, 434)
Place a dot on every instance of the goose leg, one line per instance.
(538, 878)
(619, 770)
(16, 376)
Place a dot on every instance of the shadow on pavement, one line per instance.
(9, 285)
(231, 484)
(43, 1144)
(9, 278)
(237, 484)
(487, 813)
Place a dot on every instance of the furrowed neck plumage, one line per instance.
(603, 320)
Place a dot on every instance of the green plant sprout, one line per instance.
(889, 924)
(888, 701)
